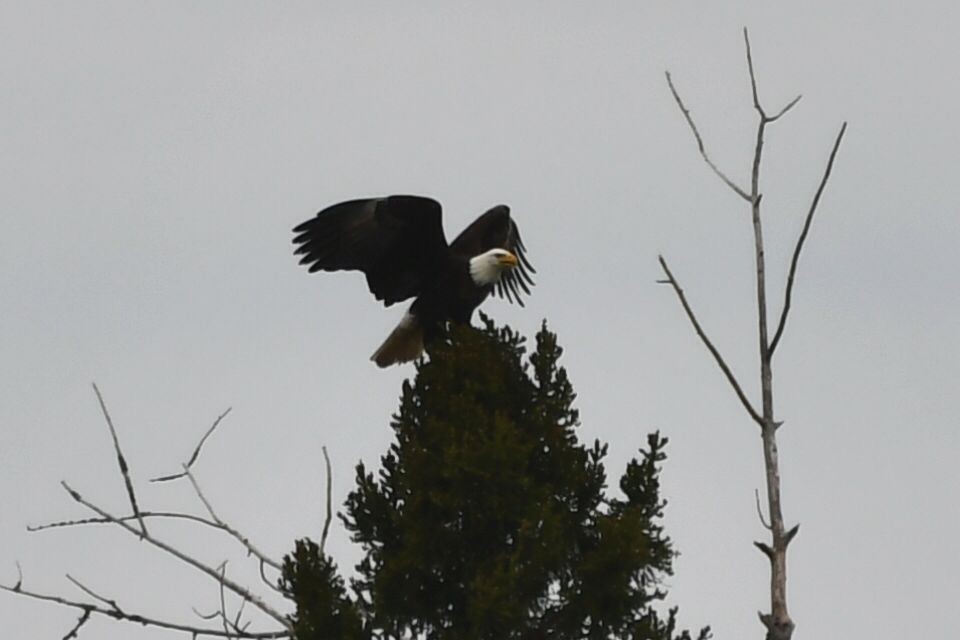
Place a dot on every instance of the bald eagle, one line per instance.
(399, 244)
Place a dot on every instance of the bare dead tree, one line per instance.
(778, 624)
(230, 626)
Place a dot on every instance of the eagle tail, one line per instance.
(405, 343)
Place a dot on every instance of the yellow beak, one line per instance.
(509, 260)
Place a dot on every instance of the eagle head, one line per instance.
(486, 268)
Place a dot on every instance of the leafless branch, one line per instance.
(706, 341)
(778, 623)
(251, 550)
(703, 152)
(753, 77)
(110, 603)
(223, 600)
(76, 629)
(263, 576)
(756, 493)
(216, 523)
(193, 562)
(199, 492)
(753, 87)
(766, 549)
(144, 514)
(803, 236)
(196, 451)
(790, 535)
(783, 111)
(121, 461)
(143, 620)
(239, 617)
(172, 515)
(232, 628)
(326, 522)
(206, 616)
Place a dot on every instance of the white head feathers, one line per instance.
(486, 268)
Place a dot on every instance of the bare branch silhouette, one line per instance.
(706, 341)
(753, 87)
(171, 515)
(82, 621)
(110, 603)
(196, 451)
(753, 77)
(121, 461)
(183, 557)
(266, 581)
(789, 106)
(231, 626)
(803, 236)
(778, 623)
(763, 521)
(329, 516)
(703, 152)
(141, 619)
(251, 549)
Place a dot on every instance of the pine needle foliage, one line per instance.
(488, 519)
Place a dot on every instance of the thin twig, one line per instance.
(251, 550)
(753, 87)
(263, 576)
(766, 525)
(121, 461)
(791, 534)
(87, 590)
(239, 617)
(82, 621)
(706, 341)
(326, 522)
(196, 451)
(753, 78)
(223, 600)
(766, 549)
(230, 627)
(703, 152)
(142, 620)
(206, 616)
(143, 514)
(193, 562)
(172, 515)
(803, 236)
(783, 111)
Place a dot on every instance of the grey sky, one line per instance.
(156, 155)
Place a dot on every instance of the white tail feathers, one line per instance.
(405, 343)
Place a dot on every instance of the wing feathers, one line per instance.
(394, 241)
(397, 241)
(495, 229)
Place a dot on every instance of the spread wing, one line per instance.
(395, 241)
(496, 229)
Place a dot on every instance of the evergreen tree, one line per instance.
(488, 519)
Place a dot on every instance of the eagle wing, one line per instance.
(492, 230)
(395, 241)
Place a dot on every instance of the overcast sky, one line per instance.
(156, 154)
